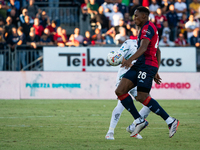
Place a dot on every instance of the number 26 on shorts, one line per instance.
(142, 75)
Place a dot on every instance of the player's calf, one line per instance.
(142, 96)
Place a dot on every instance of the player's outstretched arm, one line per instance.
(143, 47)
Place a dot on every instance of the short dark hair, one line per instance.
(143, 9)
(53, 21)
(20, 29)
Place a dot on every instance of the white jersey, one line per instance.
(128, 48)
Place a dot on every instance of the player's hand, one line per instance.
(127, 64)
(157, 79)
(123, 60)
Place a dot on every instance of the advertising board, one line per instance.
(10, 85)
(101, 85)
(93, 59)
(90, 85)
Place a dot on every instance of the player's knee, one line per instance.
(138, 98)
(118, 92)
(141, 97)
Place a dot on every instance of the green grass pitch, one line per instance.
(82, 125)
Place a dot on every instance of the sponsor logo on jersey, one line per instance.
(125, 50)
(122, 48)
(147, 31)
(127, 57)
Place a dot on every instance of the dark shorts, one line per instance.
(142, 77)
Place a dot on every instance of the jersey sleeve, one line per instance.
(124, 48)
(147, 32)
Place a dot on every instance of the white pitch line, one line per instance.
(25, 117)
(17, 125)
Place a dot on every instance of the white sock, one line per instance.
(169, 120)
(144, 112)
(111, 130)
(115, 116)
(138, 120)
(132, 127)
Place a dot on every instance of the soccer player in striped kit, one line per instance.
(142, 74)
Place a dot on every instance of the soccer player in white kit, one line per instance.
(128, 48)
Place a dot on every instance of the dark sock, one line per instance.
(127, 102)
(155, 107)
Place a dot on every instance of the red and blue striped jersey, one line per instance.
(148, 31)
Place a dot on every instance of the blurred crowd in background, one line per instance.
(111, 22)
